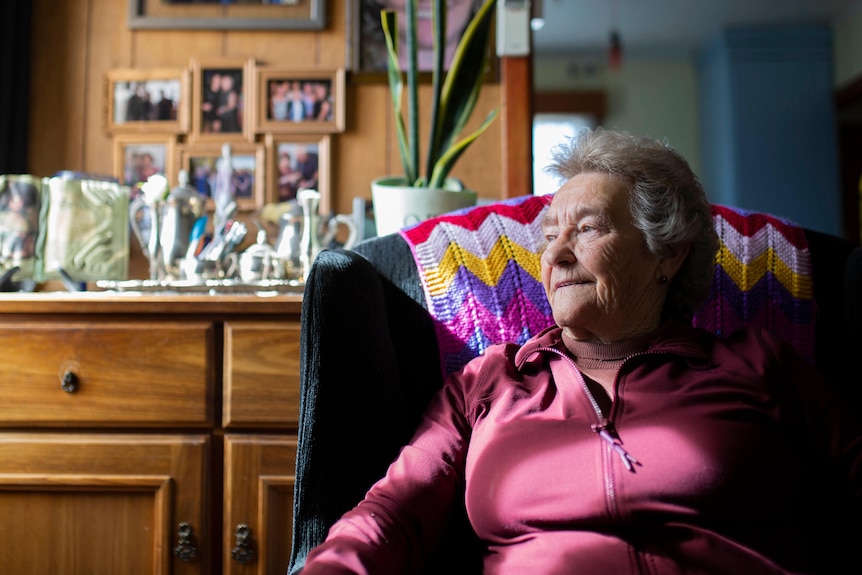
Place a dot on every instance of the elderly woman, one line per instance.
(622, 440)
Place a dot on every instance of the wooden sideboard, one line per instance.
(147, 434)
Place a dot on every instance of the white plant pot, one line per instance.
(397, 206)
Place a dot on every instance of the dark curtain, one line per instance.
(15, 32)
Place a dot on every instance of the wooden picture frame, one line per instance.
(300, 101)
(221, 15)
(138, 156)
(282, 184)
(202, 160)
(223, 100)
(139, 100)
(366, 45)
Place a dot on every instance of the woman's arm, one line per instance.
(401, 518)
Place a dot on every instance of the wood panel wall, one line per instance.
(77, 41)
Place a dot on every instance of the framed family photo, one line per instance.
(223, 103)
(366, 44)
(295, 162)
(147, 101)
(139, 156)
(300, 101)
(247, 181)
(227, 14)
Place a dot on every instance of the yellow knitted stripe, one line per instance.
(746, 276)
(439, 279)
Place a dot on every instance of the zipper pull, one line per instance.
(607, 432)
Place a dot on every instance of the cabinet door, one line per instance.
(258, 507)
(95, 503)
(261, 374)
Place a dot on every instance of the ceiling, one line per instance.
(654, 28)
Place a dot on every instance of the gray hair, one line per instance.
(666, 200)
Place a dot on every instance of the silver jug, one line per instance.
(163, 228)
(302, 234)
(260, 262)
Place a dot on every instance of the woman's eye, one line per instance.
(550, 238)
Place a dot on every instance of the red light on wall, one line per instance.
(615, 52)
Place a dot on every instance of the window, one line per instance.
(549, 130)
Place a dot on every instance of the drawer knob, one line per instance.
(184, 549)
(69, 383)
(242, 553)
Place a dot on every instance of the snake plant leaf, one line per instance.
(464, 80)
(438, 25)
(411, 9)
(450, 152)
(444, 164)
(455, 91)
(396, 91)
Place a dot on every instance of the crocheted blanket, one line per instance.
(762, 276)
(481, 274)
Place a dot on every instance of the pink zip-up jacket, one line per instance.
(715, 457)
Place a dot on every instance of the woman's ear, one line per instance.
(670, 264)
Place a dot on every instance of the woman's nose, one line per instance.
(558, 252)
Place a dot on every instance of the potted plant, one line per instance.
(402, 200)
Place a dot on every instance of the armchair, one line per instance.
(374, 350)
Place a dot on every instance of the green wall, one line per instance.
(658, 96)
(655, 97)
(847, 49)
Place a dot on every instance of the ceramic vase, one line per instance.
(397, 206)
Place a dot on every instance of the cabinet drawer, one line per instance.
(261, 374)
(129, 373)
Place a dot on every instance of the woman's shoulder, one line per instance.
(509, 359)
(757, 339)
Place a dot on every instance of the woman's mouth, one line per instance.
(570, 282)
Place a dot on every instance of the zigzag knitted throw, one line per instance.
(762, 276)
(481, 274)
(480, 271)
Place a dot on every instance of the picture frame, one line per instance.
(223, 101)
(283, 182)
(248, 161)
(300, 101)
(138, 156)
(366, 46)
(226, 15)
(140, 100)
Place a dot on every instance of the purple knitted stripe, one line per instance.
(719, 318)
(508, 325)
(746, 304)
(514, 281)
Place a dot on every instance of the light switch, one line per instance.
(513, 27)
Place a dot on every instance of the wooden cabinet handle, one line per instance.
(69, 383)
(243, 553)
(184, 549)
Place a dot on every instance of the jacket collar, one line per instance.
(675, 337)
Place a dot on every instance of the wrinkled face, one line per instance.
(601, 281)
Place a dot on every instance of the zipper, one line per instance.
(604, 428)
(607, 432)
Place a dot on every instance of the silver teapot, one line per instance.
(163, 228)
(303, 233)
